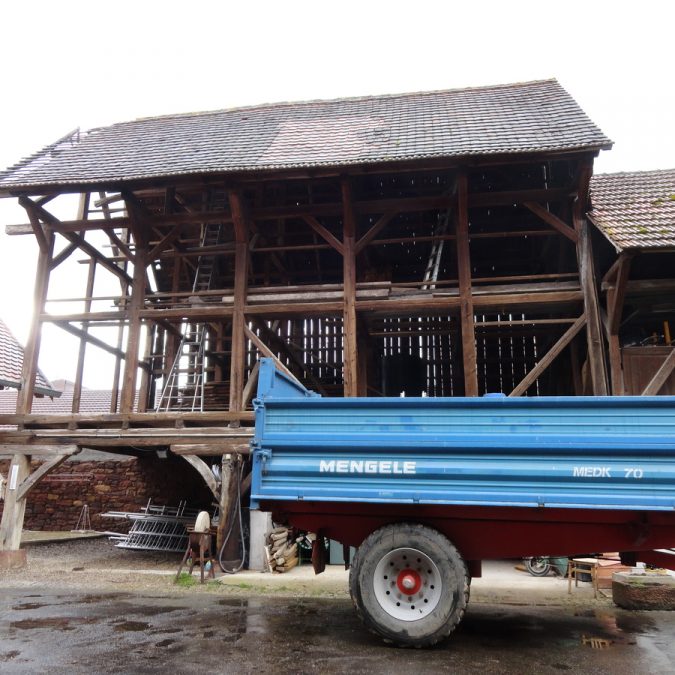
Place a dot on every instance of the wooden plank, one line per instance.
(349, 322)
(157, 419)
(41, 472)
(661, 375)
(465, 291)
(325, 234)
(552, 220)
(204, 471)
(550, 356)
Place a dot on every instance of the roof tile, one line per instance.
(635, 210)
(516, 118)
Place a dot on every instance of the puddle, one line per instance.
(165, 643)
(51, 623)
(8, 656)
(30, 605)
(135, 626)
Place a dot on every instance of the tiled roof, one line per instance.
(635, 210)
(531, 117)
(11, 360)
(91, 401)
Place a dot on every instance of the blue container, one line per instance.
(570, 452)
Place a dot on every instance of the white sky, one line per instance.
(82, 64)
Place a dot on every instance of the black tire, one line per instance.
(449, 597)
(537, 566)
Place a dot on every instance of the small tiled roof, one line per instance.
(635, 210)
(11, 361)
(91, 401)
(531, 117)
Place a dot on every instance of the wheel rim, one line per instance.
(539, 565)
(407, 584)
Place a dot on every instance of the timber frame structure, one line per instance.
(450, 255)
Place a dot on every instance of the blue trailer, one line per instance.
(427, 488)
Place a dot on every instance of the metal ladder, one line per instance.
(184, 386)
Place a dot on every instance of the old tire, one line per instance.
(409, 585)
(537, 566)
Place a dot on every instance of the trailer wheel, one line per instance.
(409, 585)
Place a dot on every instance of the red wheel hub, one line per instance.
(409, 582)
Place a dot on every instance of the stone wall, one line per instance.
(115, 485)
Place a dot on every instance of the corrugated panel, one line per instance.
(601, 452)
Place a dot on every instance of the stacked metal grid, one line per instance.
(155, 528)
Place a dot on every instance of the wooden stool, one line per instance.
(577, 566)
(199, 551)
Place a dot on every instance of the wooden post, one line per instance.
(79, 372)
(241, 258)
(146, 373)
(349, 325)
(24, 399)
(133, 340)
(615, 301)
(14, 509)
(465, 293)
(596, 349)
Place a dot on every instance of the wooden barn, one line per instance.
(429, 244)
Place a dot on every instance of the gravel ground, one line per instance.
(96, 564)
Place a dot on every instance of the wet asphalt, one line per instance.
(43, 631)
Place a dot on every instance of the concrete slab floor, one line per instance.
(47, 631)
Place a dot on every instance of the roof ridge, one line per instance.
(339, 99)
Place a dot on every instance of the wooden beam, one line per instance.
(241, 261)
(596, 348)
(550, 356)
(552, 220)
(266, 351)
(617, 296)
(368, 237)
(29, 368)
(465, 291)
(11, 524)
(164, 242)
(41, 472)
(63, 255)
(615, 302)
(91, 339)
(204, 471)
(293, 354)
(661, 375)
(251, 385)
(349, 322)
(134, 337)
(35, 224)
(38, 450)
(324, 233)
(222, 447)
(79, 369)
